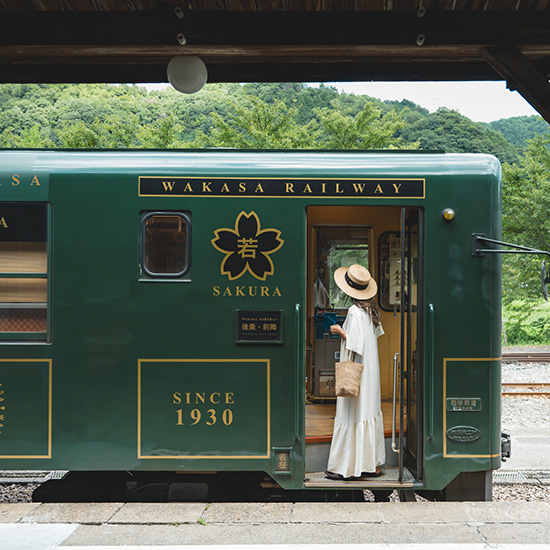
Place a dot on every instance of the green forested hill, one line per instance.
(450, 131)
(95, 115)
(518, 130)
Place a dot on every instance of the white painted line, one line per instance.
(423, 546)
(34, 536)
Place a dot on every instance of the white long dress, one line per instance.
(358, 439)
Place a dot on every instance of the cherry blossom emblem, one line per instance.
(247, 247)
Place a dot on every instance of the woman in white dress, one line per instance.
(358, 448)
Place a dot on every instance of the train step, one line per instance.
(389, 478)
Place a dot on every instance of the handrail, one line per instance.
(476, 237)
(393, 446)
(430, 369)
(297, 400)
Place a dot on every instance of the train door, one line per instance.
(410, 352)
(386, 240)
(400, 274)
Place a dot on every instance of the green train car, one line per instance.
(163, 320)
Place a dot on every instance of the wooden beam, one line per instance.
(234, 70)
(522, 76)
(290, 28)
(444, 53)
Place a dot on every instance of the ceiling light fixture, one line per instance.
(187, 74)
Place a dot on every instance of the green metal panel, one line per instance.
(22, 177)
(25, 409)
(212, 414)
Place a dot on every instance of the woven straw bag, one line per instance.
(348, 377)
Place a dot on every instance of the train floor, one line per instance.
(319, 427)
(320, 420)
(503, 525)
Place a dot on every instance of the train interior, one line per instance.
(24, 264)
(386, 241)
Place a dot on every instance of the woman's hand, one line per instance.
(337, 329)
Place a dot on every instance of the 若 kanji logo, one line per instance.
(247, 247)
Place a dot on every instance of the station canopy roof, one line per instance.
(280, 41)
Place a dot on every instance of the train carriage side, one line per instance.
(160, 314)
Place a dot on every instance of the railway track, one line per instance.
(526, 357)
(526, 389)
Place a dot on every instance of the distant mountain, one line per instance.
(517, 130)
(449, 131)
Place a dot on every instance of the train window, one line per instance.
(344, 255)
(165, 244)
(23, 271)
(340, 247)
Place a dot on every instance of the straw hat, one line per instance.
(356, 282)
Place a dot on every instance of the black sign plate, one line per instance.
(259, 327)
(160, 186)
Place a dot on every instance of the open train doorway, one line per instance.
(387, 241)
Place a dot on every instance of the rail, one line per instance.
(526, 389)
(526, 357)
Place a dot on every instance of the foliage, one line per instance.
(368, 129)
(451, 132)
(526, 202)
(302, 97)
(31, 138)
(162, 134)
(519, 130)
(95, 115)
(256, 124)
(526, 322)
(108, 116)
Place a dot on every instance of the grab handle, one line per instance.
(395, 362)
(430, 369)
(297, 400)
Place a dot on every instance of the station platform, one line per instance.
(464, 525)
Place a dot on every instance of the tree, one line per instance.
(526, 203)
(451, 132)
(369, 129)
(78, 135)
(256, 124)
(162, 134)
(29, 138)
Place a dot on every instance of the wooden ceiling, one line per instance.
(280, 41)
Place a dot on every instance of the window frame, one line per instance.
(145, 273)
(33, 337)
